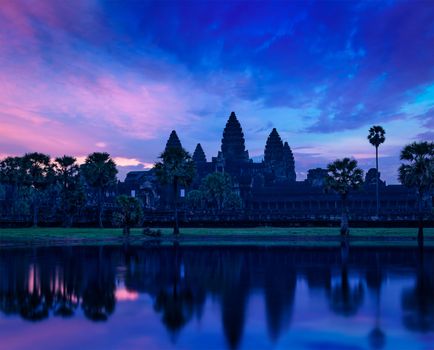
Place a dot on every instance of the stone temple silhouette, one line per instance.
(269, 189)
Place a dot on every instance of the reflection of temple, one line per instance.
(269, 189)
(38, 283)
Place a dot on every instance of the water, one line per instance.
(216, 298)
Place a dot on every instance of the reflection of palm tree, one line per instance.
(33, 307)
(177, 303)
(344, 299)
(374, 278)
(98, 299)
(418, 302)
(177, 308)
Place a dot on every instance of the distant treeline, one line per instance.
(61, 187)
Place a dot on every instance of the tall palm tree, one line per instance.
(343, 175)
(37, 174)
(418, 173)
(71, 193)
(175, 168)
(99, 171)
(376, 137)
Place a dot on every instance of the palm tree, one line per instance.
(37, 174)
(418, 173)
(99, 171)
(376, 138)
(343, 175)
(71, 193)
(175, 168)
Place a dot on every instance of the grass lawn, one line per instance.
(306, 236)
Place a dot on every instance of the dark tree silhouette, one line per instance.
(343, 175)
(37, 174)
(99, 171)
(418, 172)
(345, 299)
(418, 301)
(217, 189)
(11, 175)
(71, 192)
(175, 168)
(128, 213)
(376, 137)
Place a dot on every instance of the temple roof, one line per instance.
(233, 144)
(199, 154)
(173, 141)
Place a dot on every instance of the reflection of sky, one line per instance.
(135, 324)
(120, 75)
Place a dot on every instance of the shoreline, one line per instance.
(291, 237)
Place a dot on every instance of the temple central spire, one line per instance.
(233, 145)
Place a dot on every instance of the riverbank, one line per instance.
(312, 236)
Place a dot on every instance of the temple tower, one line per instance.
(199, 155)
(173, 141)
(278, 158)
(273, 152)
(233, 145)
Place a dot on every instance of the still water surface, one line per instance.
(216, 298)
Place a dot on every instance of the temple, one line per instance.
(269, 189)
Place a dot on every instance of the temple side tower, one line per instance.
(173, 141)
(199, 155)
(289, 163)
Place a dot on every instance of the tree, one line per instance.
(343, 175)
(11, 176)
(175, 168)
(418, 173)
(376, 137)
(195, 199)
(10, 170)
(216, 187)
(99, 171)
(128, 213)
(37, 174)
(71, 198)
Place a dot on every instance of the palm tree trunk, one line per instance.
(35, 214)
(376, 182)
(175, 202)
(100, 208)
(344, 217)
(35, 209)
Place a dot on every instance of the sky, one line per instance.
(118, 76)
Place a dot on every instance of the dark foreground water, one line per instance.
(216, 298)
